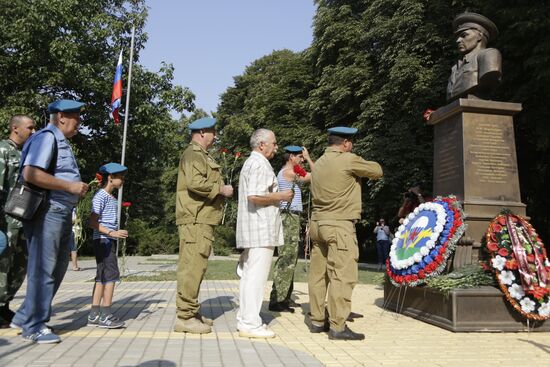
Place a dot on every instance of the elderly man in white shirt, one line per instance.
(259, 230)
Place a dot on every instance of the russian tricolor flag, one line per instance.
(116, 98)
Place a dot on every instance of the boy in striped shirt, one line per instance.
(103, 220)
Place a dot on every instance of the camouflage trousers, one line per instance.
(13, 265)
(283, 274)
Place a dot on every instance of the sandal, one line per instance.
(77, 269)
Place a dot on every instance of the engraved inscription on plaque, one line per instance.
(490, 155)
(448, 171)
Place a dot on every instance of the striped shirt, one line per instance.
(258, 226)
(296, 204)
(105, 206)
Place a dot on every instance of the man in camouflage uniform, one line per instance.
(13, 260)
(283, 275)
(199, 200)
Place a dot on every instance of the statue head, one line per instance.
(473, 31)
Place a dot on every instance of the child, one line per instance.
(103, 220)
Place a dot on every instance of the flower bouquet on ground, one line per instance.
(82, 211)
(424, 242)
(520, 264)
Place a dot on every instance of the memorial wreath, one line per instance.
(520, 264)
(424, 242)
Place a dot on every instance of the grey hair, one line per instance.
(259, 136)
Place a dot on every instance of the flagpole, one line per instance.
(126, 114)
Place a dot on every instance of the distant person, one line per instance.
(103, 220)
(48, 232)
(259, 231)
(13, 260)
(382, 232)
(72, 244)
(283, 274)
(336, 202)
(199, 200)
(412, 198)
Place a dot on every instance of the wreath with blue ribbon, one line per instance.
(425, 240)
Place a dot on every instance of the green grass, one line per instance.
(225, 270)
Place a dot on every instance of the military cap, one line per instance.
(476, 21)
(112, 168)
(204, 123)
(295, 149)
(65, 105)
(342, 131)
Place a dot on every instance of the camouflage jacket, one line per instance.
(10, 155)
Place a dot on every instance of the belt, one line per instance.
(298, 212)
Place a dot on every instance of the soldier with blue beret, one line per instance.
(336, 202)
(199, 200)
(48, 162)
(112, 168)
(291, 212)
(13, 248)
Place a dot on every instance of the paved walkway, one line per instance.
(148, 339)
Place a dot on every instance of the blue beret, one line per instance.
(65, 105)
(112, 168)
(204, 123)
(293, 149)
(342, 130)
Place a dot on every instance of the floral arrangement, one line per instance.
(520, 264)
(299, 171)
(427, 114)
(82, 211)
(424, 242)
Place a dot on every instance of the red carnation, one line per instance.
(492, 246)
(485, 266)
(237, 155)
(496, 227)
(511, 264)
(503, 252)
(223, 151)
(538, 292)
(299, 171)
(502, 220)
(126, 204)
(427, 114)
(531, 258)
(439, 258)
(98, 177)
(421, 274)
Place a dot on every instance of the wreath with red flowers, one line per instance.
(424, 242)
(520, 264)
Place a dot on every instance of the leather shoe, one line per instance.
(353, 315)
(280, 307)
(316, 329)
(293, 303)
(346, 334)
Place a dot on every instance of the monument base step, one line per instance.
(482, 309)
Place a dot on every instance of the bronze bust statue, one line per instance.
(479, 71)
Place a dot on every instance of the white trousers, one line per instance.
(256, 263)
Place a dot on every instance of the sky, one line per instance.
(211, 41)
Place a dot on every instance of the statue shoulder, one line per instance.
(489, 53)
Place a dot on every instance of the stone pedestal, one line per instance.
(475, 160)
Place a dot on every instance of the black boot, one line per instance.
(280, 307)
(346, 334)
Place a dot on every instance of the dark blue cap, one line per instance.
(112, 168)
(204, 123)
(65, 105)
(342, 130)
(293, 149)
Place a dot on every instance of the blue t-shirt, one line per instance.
(38, 152)
(105, 206)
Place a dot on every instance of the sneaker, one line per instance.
(93, 321)
(192, 325)
(19, 329)
(110, 322)
(44, 336)
(346, 334)
(261, 332)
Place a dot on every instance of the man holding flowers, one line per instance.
(291, 176)
(199, 200)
